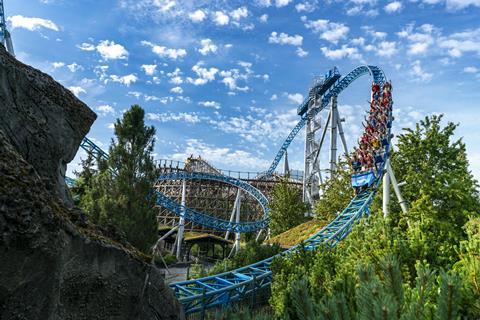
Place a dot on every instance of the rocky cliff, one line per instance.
(42, 120)
(53, 263)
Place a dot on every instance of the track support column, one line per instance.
(234, 211)
(386, 194)
(342, 134)
(333, 135)
(396, 188)
(181, 225)
(237, 220)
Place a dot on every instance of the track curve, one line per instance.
(225, 288)
(377, 75)
(205, 219)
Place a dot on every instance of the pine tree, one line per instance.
(84, 193)
(120, 192)
(287, 209)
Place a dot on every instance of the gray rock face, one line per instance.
(54, 265)
(43, 121)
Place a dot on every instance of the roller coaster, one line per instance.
(226, 288)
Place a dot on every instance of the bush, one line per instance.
(168, 258)
(252, 252)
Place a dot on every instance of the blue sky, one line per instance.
(223, 78)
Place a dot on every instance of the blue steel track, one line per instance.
(222, 289)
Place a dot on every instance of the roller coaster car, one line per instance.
(330, 78)
(363, 179)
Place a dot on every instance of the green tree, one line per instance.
(287, 209)
(336, 193)
(469, 269)
(440, 189)
(252, 252)
(442, 194)
(120, 192)
(85, 195)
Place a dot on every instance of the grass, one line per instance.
(297, 234)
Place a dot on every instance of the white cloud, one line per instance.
(149, 69)
(125, 80)
(77, 90)
(220, 18)
(282, 3)
(204, 75)
(86, 46)
(104, 110)
(418, 48)
(223, 157)
(73, 67)
(32, 24)
(239, 13)
(109, 50)
(419, 40)
(395, 6)
(376, 35)
(307, 6)
(360, 41)
(177, 90)
(197, 16)
(460, 43)
(330, 31)
(284, 38)
(210, 104)
(175, 76)
(344, 51)
(263, 18)
(419, 73)
(170, 116)
(461, 4)
(273, 97)
(165, 52)
(207, 47)
(301, 53)
(231, 78)
(146, 97)
(57, 65)
(296, 98)
(361, 9)
(258, 126)
(471, 70)
(164, 5)
(386, 48)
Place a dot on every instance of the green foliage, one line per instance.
(377, 292)
(394, 268)
(336, 193)
(287, 209)
(250, 253)
(197, 270)
(119, 192)
(85, 194)
(168, 259)
(441, 191)
(469, 269)
(242, 314)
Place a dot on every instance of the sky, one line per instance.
(223, 79)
